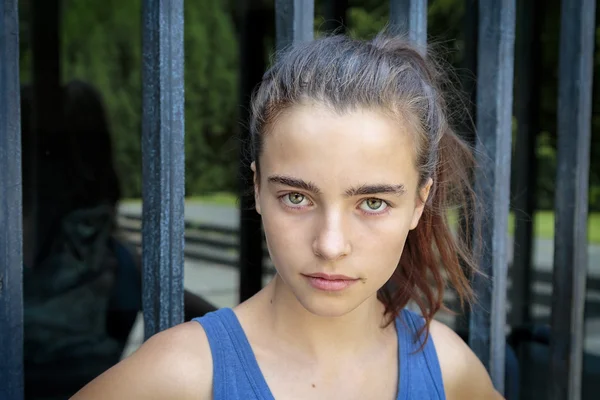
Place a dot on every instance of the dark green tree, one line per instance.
(102, 45)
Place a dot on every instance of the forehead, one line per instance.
(357, 147)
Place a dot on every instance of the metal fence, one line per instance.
(163, 225)
(11, 253)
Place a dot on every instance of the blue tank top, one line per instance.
(237, 376)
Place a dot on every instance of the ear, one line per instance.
(256, 187)
(421, 200)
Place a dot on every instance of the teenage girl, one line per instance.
(355, 168)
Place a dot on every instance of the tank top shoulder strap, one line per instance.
(236, 374)
(420, 372)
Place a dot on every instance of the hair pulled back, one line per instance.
(388, 74)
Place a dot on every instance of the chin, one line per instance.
(328, 305)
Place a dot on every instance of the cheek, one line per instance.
(382, 244)
(286, 235)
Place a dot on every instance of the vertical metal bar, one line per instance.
(11, 230)
(527, 99)
(48, 137)
(163, 164)
(492, 182)
(294, 22)
(335, 16)
(410, 16)
(571, 201)
(469, 79)
(252, 65)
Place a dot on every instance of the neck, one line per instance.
(319, 336)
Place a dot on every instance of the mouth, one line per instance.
(330, 283)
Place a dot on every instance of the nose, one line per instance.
(331, 242)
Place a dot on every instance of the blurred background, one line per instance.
(81, 63)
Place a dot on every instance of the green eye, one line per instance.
(374, 204)
(295, 198)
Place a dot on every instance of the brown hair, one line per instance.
(390, 75)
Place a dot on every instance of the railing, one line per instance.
(163, 225)
(163, 163)
(11, 253)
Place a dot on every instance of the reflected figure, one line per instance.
(82, 286)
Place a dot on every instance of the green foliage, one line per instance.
(211, 75)
(101, 44)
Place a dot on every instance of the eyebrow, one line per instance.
(398, 190)
(357, 191)
(295, 183)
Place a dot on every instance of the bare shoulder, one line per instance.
(175, 363)
(464, 375)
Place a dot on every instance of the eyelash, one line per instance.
(385, 211)
(294, 208)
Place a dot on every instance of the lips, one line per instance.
(331, 277)
(330, 283)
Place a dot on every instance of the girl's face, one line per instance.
(338, 195)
